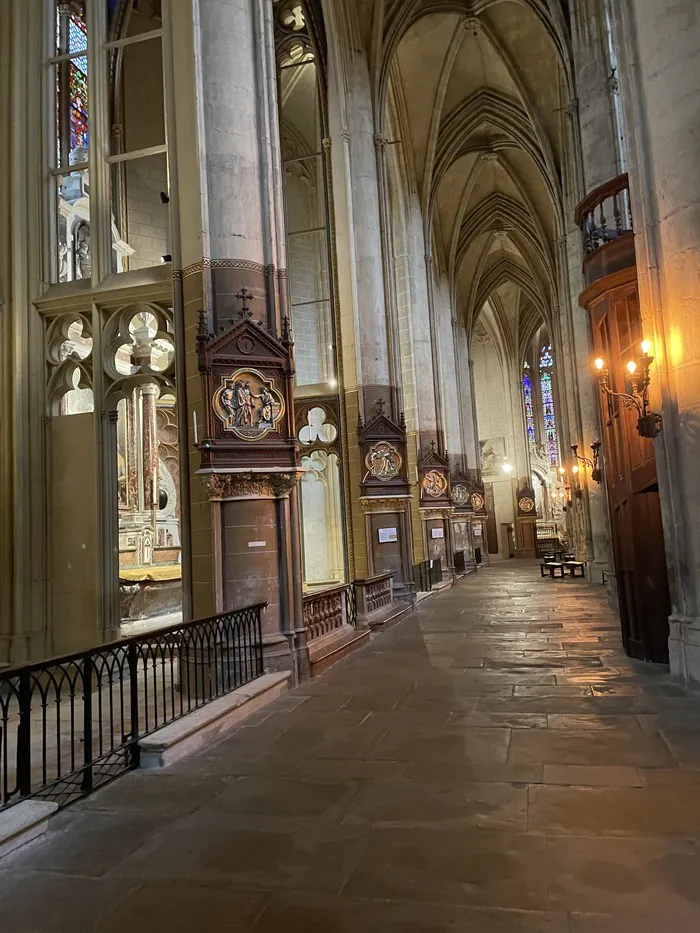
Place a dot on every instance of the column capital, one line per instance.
(380, 141)
(249, 485)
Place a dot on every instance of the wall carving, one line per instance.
(222, 486)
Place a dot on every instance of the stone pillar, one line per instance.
(659, 54)
(596, 160)
(229, 250)
(149, 447)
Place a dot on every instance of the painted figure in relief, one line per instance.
(383, 461)
(434, 484)
(248, 405)
(265, 410)
(228, 400)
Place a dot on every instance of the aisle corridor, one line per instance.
(492, 764)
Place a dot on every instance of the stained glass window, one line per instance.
(529, 411)
(548, 414)
(71, 84)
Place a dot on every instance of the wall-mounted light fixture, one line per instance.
(596, 472)
(649, 423)
(507, 468)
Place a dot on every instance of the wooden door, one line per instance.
(630, 474)
(491, 527)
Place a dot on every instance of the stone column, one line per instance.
(149, 441)
(596, 160)
(659, 54)
(229, 250)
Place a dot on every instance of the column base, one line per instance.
(277, 654)
(684, 650)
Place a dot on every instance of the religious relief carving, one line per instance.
(383, 447)
(384, 504)
(248, 404)
(434, 484)
(248, 485)
(434, 477)
(383, 461)
(460, 495)
(525, 497)
(247, 375)
(477, 501)
(493, 454)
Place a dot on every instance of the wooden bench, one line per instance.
(573, 565)
(552, 566)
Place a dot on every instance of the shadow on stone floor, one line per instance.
(493, 763)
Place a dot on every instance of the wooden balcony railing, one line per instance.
(605, 214)
(605, 219)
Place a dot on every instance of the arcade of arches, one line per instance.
(298, 294)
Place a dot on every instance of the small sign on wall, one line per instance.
(387, 535)
(477, 531)
(437, 532)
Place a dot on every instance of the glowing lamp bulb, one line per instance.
(332, 383)
(575, 468)
(562, 471)
(599, 363)
(646, 347)
(631, 366)
(507, 468)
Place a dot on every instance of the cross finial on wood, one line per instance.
(380, 405)
(244, 297)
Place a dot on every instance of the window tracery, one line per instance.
(548, 408)
(529, 409)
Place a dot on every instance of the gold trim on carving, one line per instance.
(228, 486)
(385, 503)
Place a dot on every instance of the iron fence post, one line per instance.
(86, 785)
(258, 634)
(134, 702)
(24, 736)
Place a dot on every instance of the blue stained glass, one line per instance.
(529, 411)
(546, 357)
(550, 425)
(77, 36)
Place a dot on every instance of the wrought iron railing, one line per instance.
(70, 724)
(427, 574)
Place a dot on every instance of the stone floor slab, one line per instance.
(493, 763)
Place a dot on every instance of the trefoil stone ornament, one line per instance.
(248, 404)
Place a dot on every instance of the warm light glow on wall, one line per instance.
(675, 347)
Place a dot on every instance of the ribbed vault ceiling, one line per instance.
(477, 94)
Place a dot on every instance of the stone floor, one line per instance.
(492, 764)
